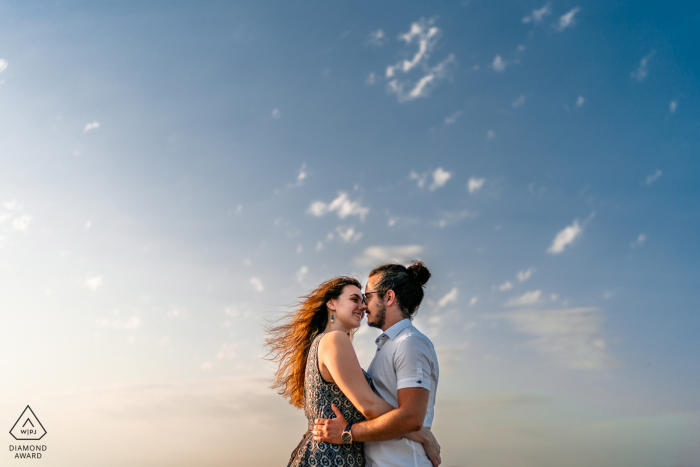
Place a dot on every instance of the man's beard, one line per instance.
(379, 317)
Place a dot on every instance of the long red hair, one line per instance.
(289, 342)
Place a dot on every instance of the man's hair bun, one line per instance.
(419, 272)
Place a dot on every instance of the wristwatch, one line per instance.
(347, 434)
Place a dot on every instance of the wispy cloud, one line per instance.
(641, 239)
(567, 236)
(498, 64)
(371, 79)
(519, 101)
(580, 101)
(475, 184)
(568, 19)
(257, 284)
(439, 177)
(375, 255)
(453, 218)
(93, 282)
(571, 337)
(538, 15)
(3, 65)
(348, 234)
(643, 69)
(507, 285)
(376, 38)
(490, 134)
(276, 114)
(341, 205)
(21, 223)
(448, 298)
(526, 299)
(132, 323)
(452, 118)
(652, 178)
(91, 126)
(419, 77)
(301, 273)
(673, 106)
(525, 275)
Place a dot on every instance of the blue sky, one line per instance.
(172, 175)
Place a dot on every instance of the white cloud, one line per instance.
(473, 300)
(580, 101)
(474, 184)
(568, 19)
(423, 77)
(341, 205)
(537, 16)
(371, 79)
(91, 126)
(376, 38)
(519, 102)
(641, 239)
(565, 237)
(440, 177)
(653, 177)
(301, 175)
(257, 284)
(301, 273)
(12, 205)
(375, 255)
(319, 245)
(88, 224)
(449, 297)
(490, 134)
(507, 285)
(498, 64)
(3, 65)
(93, 282)
(524, 275)
(526, 299)
(348, 235)
(276, 114)
(643, 69)
(672, 106)
(21, 223)
(419, 178)
(571, 337)
(453, 218)
(452, 118)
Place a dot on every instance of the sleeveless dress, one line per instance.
(318, 396)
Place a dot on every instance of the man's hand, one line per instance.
(329, 430)
(431, 446)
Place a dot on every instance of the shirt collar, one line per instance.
(395, 330)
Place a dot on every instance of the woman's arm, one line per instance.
(337, 356)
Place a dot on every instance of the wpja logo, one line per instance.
(28, 428)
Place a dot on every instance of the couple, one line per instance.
(378, 418)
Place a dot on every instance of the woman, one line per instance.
(318, 368)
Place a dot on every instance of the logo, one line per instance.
(28, 427)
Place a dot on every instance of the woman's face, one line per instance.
(349, 309)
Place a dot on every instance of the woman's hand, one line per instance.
(429, 442)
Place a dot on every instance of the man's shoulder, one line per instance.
(412, 336)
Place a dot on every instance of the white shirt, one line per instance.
(405, 358)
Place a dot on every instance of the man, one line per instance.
(404, 372)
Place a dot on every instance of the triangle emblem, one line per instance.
(28, 427)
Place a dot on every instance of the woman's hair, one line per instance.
(289, 341)
(406, 282)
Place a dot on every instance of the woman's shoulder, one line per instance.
(334, 338)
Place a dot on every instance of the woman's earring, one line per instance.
(332, 318)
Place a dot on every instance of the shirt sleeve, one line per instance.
(413, 364)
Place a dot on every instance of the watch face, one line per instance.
(346, 437)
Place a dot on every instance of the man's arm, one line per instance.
(407, 418)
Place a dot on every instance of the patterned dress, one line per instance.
(318, 396)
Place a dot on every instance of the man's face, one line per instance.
(376, 309)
